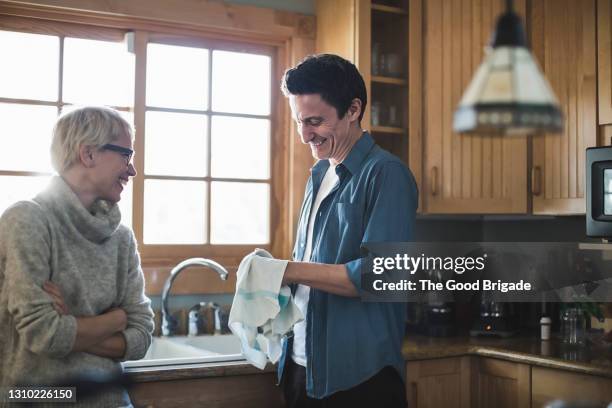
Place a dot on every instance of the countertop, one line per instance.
(190, 371)
(595, 360)
(528, 350)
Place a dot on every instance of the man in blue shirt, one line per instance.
(347, 352)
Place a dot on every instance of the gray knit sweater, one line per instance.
(94, 261)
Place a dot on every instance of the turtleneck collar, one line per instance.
(95, 225)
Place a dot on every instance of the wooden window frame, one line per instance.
(287, 36)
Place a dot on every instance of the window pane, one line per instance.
(129, 116)
(174, 212)
(177, 77)
(30, 66)
(98, 72)
(240, 147)
(240, 90)
(15, 188)
(125, 204)
(240, 213)
(26, 137)
(176, 144)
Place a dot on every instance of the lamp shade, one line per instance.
(508, 94)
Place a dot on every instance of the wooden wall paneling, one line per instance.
(605, 138)
(301, 159)
(251, 22)
(604, 60)
(465, 173)
(281, 223)
(343, 28)
(337, 28)
(563, 41)
(363, 47)
(415, 93)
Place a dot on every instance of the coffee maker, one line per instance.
(495, 319)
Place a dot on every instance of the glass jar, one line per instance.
(376, 113)
(573, 326)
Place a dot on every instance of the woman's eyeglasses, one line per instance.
(124, 151)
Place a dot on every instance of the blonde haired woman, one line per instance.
(72, 303)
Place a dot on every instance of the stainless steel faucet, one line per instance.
(169, 323)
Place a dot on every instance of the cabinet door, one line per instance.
(604, 60)
(549, 385)
(502, 384)
(563, 41)
(343, 28)
(465, 173)
(230, 391)
(438, 383)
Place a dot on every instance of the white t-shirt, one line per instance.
(302, 293)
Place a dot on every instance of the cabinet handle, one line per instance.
(536, 180)
(415, 388)
(434, 180)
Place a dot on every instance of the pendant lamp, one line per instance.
(508, 94)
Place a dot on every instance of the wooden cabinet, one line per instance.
(440, 44)
(465, 173)
(443, 382)
(234, 391)
(343, 28)
(604, 61)
(488, 174)
(498, 383)
(483, 382)
(384, 40)
(564, 43)
(549, 385)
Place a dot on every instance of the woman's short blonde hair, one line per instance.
(89, 126)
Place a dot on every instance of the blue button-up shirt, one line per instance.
(375, 200)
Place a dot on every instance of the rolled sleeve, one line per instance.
(353, 269)
(26, 244)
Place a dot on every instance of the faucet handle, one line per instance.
(221, 318)
(198, 319)
(169, 325)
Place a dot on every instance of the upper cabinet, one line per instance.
(418, 57)
(343, 28)
(384, 40)
(563, 41)
(465, 173)
(604, 61)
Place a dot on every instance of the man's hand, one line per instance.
(58, 300)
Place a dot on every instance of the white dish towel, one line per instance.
(262, 311)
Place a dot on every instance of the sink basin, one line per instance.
(166, 351)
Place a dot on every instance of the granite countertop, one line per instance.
(595, 360)
(527, 350)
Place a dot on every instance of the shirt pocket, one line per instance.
(349, 225)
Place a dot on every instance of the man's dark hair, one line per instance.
(337, 81)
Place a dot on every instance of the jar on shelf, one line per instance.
(376, 114)
(376, 59)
